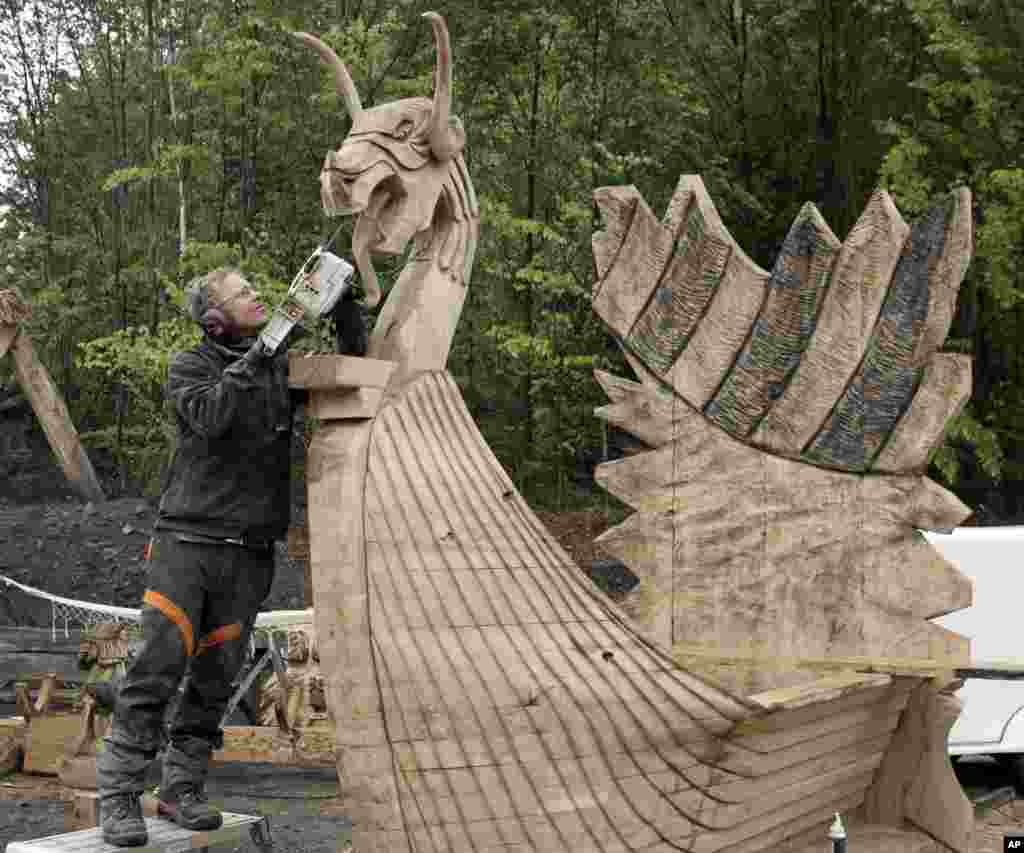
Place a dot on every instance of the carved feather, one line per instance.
(765, 399)
(821, 358)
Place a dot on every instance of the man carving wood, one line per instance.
(226, 499)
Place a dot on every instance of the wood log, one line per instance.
(46, 688)
(53, 416)
(10, 751)
(47, 739)
(335, 471)
(82, 811)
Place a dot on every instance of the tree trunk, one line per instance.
(526, 383)
(154, 319)
(744, 164)
(831, 183)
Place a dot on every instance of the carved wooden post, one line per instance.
(344, 394)
(46, 400)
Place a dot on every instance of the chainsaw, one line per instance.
(323, 279)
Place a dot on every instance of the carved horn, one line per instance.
(446, 138)
(342, 80)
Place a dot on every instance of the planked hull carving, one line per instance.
(504, 703)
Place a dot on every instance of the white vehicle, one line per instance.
(992, 721)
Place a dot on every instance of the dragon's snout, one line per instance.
(348, 186)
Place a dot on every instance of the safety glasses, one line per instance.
(246, 290)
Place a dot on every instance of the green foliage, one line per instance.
(904, 171)
(218, 108)
(964, 429)
(967, 129)
(1001, 240)
(138, 360)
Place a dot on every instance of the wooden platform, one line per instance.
(164, 837)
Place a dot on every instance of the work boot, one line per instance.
(187, 806)
(121, 820)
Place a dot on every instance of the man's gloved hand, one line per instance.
(351, 332)
(256, 353)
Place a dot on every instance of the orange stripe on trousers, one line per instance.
(221, 635)
(175, 614)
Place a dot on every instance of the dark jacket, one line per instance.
(229, 476)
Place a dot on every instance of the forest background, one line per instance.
(146, 141)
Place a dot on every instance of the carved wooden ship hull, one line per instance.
(486, 697)
(491, 698)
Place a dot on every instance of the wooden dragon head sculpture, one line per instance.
(400, 172)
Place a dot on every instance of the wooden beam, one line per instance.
(336, 469)
(52, 413)
(345, 404)
(312, 746)
(47, 736)
(915, 781)
(337, 371)
(823, 690)
(698, 657)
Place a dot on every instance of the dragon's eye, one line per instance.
(404, 128)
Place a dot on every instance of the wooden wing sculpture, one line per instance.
(485, 696)
(790, 415)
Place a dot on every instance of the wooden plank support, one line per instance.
(46, 739)
(340, 387)
(915, 781)
(50, 409)
(685, 654)
(1006, 670)
(164, 836)
(345, 403)
(337, 371)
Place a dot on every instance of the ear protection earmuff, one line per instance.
(217, 323)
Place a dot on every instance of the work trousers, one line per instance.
(198, 611)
